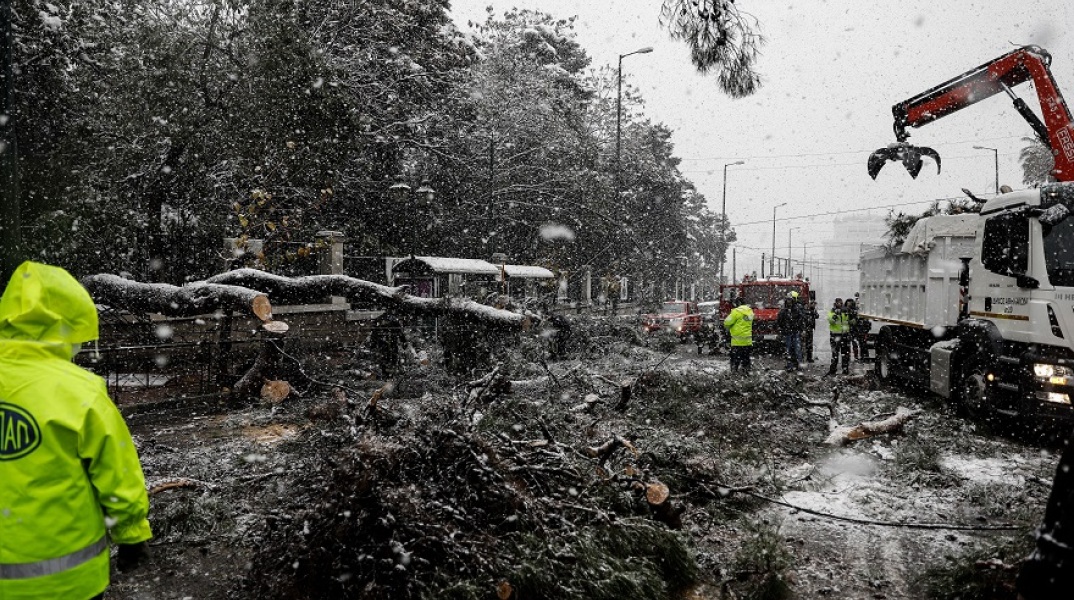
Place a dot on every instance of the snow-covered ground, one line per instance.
(840, 513)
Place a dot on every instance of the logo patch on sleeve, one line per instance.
(19, 432)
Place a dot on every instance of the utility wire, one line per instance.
(766, 156)
(846, 210)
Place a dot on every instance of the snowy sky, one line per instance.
(831, 72)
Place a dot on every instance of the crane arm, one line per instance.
(1029, 63)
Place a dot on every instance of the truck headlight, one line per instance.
(1054, 374)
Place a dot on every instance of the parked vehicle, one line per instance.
(712, 334)
(680, 317)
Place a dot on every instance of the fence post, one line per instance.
(330, 258)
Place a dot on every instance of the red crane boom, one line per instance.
(1029, 63)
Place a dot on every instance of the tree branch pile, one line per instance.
(415, 509)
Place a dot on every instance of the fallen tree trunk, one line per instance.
(197, 298)
(313, 288)
(842, 435)
(310, 289)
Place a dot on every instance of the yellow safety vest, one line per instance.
(838, 324)
(67, 460)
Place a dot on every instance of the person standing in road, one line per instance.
(809, 327)
(790, 321)
(739, 325)
(839, 330)
(850, 309)
(70, 477)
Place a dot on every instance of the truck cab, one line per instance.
(1020, 296)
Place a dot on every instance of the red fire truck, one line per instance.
(764, 296)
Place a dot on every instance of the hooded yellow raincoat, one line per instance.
(68, 467)
(739, 324)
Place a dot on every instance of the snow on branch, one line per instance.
(287, 290)
(192, 299)
(249, 290)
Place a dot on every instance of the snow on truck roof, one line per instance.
(924, 233)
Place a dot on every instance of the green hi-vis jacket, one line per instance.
(739, 324)
(838, 323)
(68, 466)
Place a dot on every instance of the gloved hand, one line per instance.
(132, 556)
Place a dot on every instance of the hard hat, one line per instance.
(793, 295)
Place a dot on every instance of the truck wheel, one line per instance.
(973, 388)
(882, 368)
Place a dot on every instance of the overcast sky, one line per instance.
(831, 72)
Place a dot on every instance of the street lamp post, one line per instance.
(723, 215)
(400, 192)
(619, 121)
(790, 270)
(996, 156)
(772, 259)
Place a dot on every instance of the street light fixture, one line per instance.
(400, 193)
(996, 153)
(772, 259)
(619, 121)
(723, 215)
(426, 191)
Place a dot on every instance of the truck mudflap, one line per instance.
(941, 372)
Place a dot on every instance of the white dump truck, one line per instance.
(980, 308)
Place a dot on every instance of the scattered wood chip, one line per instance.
(171, 484)
(276, 327)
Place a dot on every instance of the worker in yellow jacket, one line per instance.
(739, 324)
(70, 477)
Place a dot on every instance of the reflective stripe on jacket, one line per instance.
(838, 324)
(739, 324)
(67, 460)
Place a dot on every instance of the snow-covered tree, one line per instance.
(1037, 162)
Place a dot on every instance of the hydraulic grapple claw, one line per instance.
(909, 155)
